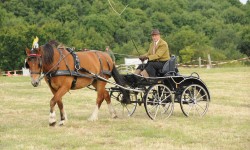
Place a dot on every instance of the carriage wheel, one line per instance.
(123, 109)
(194, 100)
(159, 102)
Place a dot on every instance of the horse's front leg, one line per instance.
(62, 113)
(52, 115)
(57, 99)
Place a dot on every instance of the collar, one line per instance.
(157, 42)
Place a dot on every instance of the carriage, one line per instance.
(158, 94)
(64, 70)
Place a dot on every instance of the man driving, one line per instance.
(157, 55)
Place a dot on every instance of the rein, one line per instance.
(61, 58)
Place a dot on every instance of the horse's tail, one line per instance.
(120, 80)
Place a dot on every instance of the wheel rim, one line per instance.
(158, 102)
(194, 101)
(122, 109)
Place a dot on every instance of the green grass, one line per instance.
(24, 114)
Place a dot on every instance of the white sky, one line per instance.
(243, 1)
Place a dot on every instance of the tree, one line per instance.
(163, 22)
(187, 54)
(219, 28)
(244, 44)
(66, 13)
(12, 47)
(185, 37)
(234, 15)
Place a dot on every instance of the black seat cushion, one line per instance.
(169, 68)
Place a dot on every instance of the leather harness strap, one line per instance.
(75, 73)
(77, 66)
(103, 72)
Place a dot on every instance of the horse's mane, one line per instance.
(48, 52)
(53, 43)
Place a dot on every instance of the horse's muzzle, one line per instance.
(35, 83)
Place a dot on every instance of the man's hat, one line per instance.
(155, 32)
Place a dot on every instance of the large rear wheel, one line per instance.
(159, 102)
(194, 100)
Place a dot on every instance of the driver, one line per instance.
(157, 55)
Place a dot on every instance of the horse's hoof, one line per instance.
(62, 122)
(92, 119)
(52, 124)
(115, 117)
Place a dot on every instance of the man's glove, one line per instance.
(142, 58)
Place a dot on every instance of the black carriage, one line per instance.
(158, 94)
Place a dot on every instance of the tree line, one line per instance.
(192, 28)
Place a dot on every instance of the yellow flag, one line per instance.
(35, 42)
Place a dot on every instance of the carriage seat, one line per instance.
(169, 68)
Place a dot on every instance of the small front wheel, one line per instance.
(123, 109)
(194, 100)
(158, 102)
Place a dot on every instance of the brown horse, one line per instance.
(63, 70)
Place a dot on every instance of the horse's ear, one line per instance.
(27, 51)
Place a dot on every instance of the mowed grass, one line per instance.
(24, 112)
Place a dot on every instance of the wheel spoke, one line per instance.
(160, 101)
(200, 107)
(198, 99)
(152, 108)
(162, 92)
(190, 107)
(198, 93)
(156, 111)
(190, 93)
(194, 91)
(166, 107)
(197, 109)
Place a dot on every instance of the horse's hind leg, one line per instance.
(100, 87)
(101, 95)
(110, 106)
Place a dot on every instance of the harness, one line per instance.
(75, 73)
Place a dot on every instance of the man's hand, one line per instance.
(142, 58)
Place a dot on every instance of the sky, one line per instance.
(243, 1)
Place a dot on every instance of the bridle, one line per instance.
(39, 57)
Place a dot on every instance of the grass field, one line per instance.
(24, 112)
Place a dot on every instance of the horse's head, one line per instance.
(34, 64)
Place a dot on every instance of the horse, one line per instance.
(65, 70)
